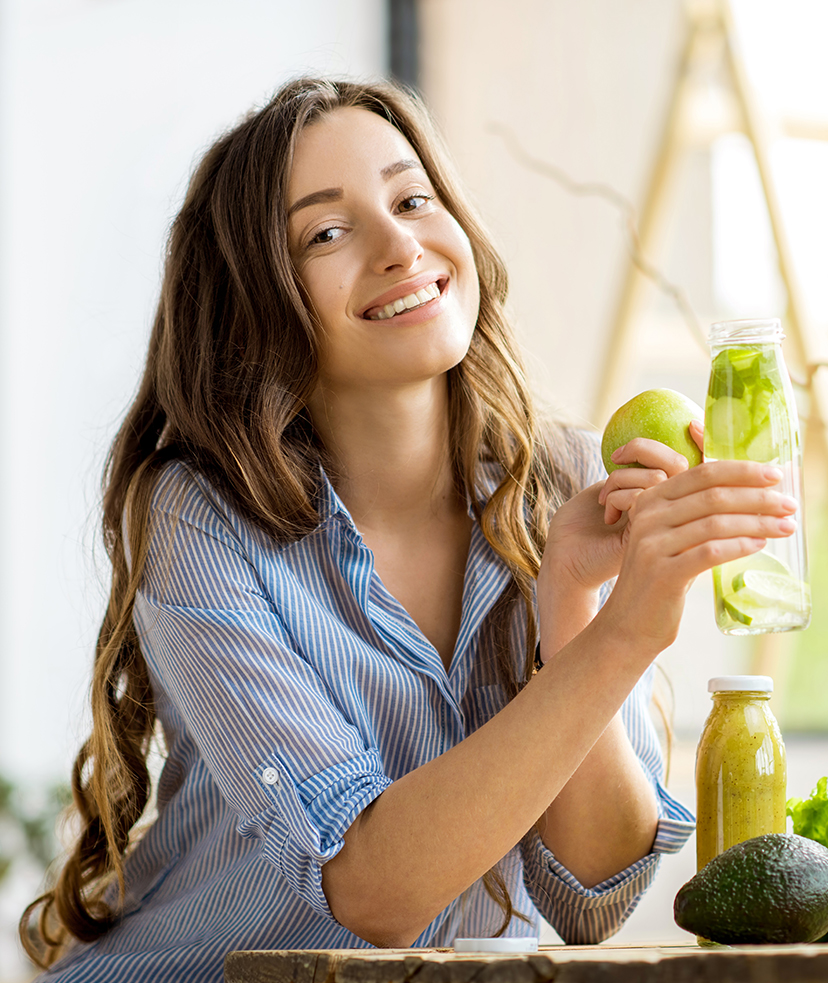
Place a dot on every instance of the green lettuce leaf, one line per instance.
(810, 816)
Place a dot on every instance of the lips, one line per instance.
(405, 297)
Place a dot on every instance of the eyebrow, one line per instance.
(407, 164)
(335, 194)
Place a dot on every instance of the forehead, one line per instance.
(344, 145)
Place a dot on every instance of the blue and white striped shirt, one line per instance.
(293, 689)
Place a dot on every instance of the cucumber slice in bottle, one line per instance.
(762, 447)
(736, 611)
(744, 608)
(756, 561)
(730, 420)
(762, 587)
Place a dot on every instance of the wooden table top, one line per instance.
(673, 963)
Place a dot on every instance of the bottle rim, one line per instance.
(746, 332)
(740, 684)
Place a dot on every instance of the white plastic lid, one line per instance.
(525, 944)
(734, 684)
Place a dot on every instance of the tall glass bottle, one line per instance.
(740, 767)
(750, 415)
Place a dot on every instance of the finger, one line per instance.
(717, 530)
(724, 500)
(650, 454)
(625, 478)
(622, 488)
(618, 503)
(702, 557)
(721, 473)
(697, 433)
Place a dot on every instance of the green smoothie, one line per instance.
(740, 773)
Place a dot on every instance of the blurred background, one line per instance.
(600, 138)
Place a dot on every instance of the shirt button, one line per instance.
(270, 776)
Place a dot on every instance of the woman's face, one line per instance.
(385, 267)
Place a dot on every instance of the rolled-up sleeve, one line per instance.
(583, 915)
(281, 752)
(310, 819)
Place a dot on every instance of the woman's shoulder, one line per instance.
(180, 488)
(184, 493)
(185, 498)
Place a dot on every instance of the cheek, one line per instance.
(323, 295)
(464, 258)
(472, 289)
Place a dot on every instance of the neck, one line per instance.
(391, 451)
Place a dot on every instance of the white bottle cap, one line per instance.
(526, 944)
(734, 684)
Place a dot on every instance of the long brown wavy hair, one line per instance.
(232, 362)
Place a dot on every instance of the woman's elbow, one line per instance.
(368, 912)
(379, 928)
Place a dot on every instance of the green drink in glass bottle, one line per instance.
(750, 415)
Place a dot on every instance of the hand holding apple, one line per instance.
(657, 414)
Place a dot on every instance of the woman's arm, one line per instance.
(605, 817)
(438, 829)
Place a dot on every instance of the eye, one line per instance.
(412, 202)
(324, 236)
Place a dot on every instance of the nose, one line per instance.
(394, 245)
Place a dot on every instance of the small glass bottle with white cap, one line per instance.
(740, 767)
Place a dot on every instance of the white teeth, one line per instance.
(422, 296)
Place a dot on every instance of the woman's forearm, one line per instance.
(605, 817)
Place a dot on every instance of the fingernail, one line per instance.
(773, 474)
(789, 503)
(615, 453)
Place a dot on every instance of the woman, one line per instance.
(340, 540)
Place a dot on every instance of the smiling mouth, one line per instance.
(408, 303)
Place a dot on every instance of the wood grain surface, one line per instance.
(563, 964)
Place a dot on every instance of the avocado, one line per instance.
(771, 888)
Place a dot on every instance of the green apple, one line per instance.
(660, 414)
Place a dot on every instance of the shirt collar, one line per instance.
(328, 503)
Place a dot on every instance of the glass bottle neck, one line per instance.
(727, 333)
